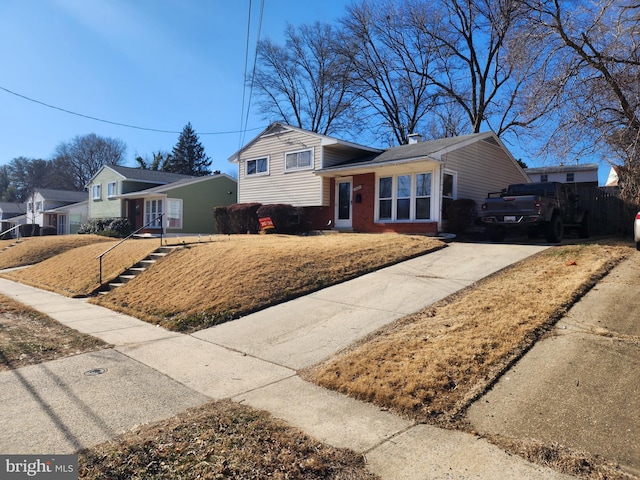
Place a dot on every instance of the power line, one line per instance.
(24, 97)
(245, 120)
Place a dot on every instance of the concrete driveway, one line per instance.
(581, 386)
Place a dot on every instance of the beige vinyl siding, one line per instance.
(482, 168)
(299, 188)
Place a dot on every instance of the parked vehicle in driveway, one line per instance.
(548, 208)
(636, 230)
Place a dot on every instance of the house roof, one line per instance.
(70, 196)
(326, 141)
(142, 175)
(432, 150)
(66, 208)
(563, 168)
(10, 207)
(184, 182)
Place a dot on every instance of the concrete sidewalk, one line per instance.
(61, 406)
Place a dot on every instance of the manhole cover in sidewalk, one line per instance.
(95, 371)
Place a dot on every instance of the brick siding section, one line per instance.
(363, 211)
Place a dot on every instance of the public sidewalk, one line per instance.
(151, 373)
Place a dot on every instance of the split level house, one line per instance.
(62, 210)
(344, 185)
(582, 175)
(159, 201)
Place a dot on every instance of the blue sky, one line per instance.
(156, 64)
(149, 63)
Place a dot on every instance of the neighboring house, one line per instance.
(67, 219)
(111, 181)
(42, 204)
(9, 211)
(354, 187)
(187, 204)
(585, 175)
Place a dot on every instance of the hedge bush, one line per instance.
(462, 214)
(110, 227)
(29, 229)
(222, 219)
(283, 216)
(48, 230)
(243, 217)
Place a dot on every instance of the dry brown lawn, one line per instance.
(75, 272)
(220, 440)
(205, 284)
(28, 337)
(31, 250)
(432, 364)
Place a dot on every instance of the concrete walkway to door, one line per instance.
(151, 373)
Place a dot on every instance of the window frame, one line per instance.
(168, 214)
(298, 167)
(149, 212)
(256, 173)
(396, 198)
(112, 189)
(96, 191)
(571, 178)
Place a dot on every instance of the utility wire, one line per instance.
(244, 121)
(114, 123)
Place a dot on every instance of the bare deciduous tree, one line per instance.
(83, 156)
(305, 83)
(391, 61)
(595, 47)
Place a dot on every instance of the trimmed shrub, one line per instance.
(48, 230)
(223, 222)
(110, 227)
(29, 230)
(285, 217)
(461, 215)
(243, 217)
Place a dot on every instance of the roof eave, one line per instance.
(328, 172)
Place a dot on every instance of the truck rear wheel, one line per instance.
(554, 230)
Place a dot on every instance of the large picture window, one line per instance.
(258, 166)
(298, 160)
(404, 197)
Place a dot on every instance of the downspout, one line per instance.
(441, 189)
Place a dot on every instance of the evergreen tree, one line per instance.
(188, 157)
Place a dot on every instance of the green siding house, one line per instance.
(186, 203)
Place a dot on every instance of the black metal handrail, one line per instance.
(159, 217)
(2, 234)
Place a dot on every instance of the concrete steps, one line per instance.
(135, 270)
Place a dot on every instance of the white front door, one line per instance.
(344, 193)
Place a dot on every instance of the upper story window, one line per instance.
(570, 177)
(38, 207)
(257, 166)
(112, 189)
(96, 192)
(544, 177)
(298, 160)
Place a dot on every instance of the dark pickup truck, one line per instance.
(547, 208)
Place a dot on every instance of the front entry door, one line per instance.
(343, 203)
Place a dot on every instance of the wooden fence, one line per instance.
(608, 214)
